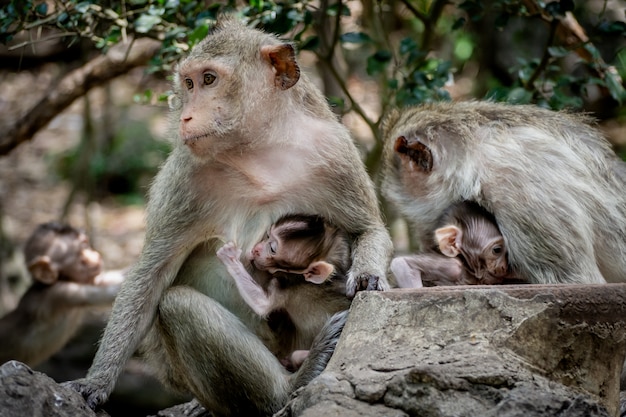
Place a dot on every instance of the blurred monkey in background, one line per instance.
(67, 284)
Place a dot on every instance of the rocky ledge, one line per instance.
(501, 351)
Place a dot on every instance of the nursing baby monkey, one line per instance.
(467, 249)
(67, 284)
(306, 261)
(552, 182)
(254, 140)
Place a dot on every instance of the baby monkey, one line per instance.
(303, 263)
(67, 282)
(468, 250)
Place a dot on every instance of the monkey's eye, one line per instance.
(188, 83)
(273, 248)
(496, 250)
(209, 78)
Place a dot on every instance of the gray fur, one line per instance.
(269, 152)
(552, 181)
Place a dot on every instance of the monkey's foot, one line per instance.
(94, 392)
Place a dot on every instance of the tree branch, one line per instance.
(98, 71)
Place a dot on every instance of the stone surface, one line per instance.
(24, 392)
(501, 351)
(528, 350)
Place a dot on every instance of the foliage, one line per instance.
(512, 50)
(122, 166)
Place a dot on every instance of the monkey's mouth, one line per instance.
(192, 140)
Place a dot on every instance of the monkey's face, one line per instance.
(75, 259)
(263, 253)
(273, 254)
(487, 261)
(208, 108)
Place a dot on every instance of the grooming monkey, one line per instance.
(552, 182)
(254, 140)
(468, 249)
(67, 284)
(307, 261)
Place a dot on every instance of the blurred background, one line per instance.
(84, 88)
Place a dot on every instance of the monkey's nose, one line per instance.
(92, 257)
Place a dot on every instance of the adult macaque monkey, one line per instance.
(254, 140)
(468, 249)
(553, 183)
(307, 262)
(67, 284)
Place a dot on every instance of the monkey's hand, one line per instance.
(229, 254)
(95, 391)
(364, 282)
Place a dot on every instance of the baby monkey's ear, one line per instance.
(449, 239)
(318, 272)
(44, 270)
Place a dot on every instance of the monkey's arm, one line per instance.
(250, 290)
(169, 240)
(74, 294)
(430, 269)
(357, 212)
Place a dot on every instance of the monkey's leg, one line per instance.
(407, 276)
(429, 269)
(220, 361)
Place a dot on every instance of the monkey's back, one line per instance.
(550, 179)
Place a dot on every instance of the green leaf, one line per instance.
(558, 51)
(615, 88)
(336, 102)
(459, 23)
(376, 63)
(146, 22)
(311, 43)
(198, 34)
(519, 96)
(407, 45)
(355, 37)
(41, 9)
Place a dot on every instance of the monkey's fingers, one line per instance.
(364, 282)
(93, 394)
(228, 252)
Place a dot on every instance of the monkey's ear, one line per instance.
(318, 272)
(416, 151)
(449, 238)
(43, 270)
(283, 59)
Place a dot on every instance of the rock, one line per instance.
(528, 350)
(502, 351)
(24, 392)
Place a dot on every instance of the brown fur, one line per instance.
(467, 249)
(300, 244)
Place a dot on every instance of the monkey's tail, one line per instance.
(321, 350)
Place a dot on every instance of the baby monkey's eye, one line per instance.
(273, 248)
(496, 250)
(188, 83)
